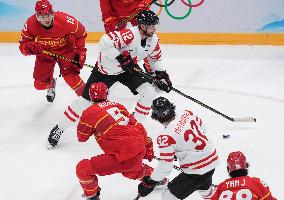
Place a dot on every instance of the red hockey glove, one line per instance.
(149, 155)
(143, 5)
(80, 58)
(146, 186)
(32, 48)
(110, 24)
(164, 83)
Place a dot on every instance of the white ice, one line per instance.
(239, 81)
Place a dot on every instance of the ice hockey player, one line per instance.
(184, 137)
(57, 33)
(119, 53)
(123, 140)
(115, 11)
(241, 186)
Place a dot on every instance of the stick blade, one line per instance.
(244, 119)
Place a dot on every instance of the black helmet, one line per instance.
(147, 17)
(163, 110)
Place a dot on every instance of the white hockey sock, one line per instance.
(73, 113)
(143, 107)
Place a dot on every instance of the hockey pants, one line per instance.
(106, 164)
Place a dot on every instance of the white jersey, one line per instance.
(114, 43)
(185, 138)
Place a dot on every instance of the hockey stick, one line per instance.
(132, 16)
(241, 119)
(175, 167)
(64, 58)
(138, 197)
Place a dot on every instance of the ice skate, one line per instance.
(50, 96)
(54, 137)
(96, 197)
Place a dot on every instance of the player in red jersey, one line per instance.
(123, 140)
(57, 33)
(115, 11)
(241, 186)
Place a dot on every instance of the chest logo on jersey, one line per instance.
(51, 42)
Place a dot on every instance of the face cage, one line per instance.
(44, 17)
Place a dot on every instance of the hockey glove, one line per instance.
(149, 150)
(79, 59)
(143, 5)
(110, 24)
(146, 186)
(164, 83)
(33, 48)
(127, 63)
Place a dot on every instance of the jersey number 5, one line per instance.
(195, 136)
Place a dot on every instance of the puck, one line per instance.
(226, 136)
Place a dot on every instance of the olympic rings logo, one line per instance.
(168, 3)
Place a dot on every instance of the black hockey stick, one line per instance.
(151, 79)
(64, 58)
(241, 119)
(132, 16)
(138, 197)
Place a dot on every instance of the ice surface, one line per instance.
(239, 81)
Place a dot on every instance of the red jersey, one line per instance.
(115, 129)
(57, 38)
(119, 8)
(243, 187)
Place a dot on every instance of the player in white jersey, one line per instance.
(119, 53)
(183, 137)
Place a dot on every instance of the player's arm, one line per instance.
(265, 191)
(28, 46)
(155, 60)
(84, 128)
(76, 38)
(166, 145)
(80, 36)
(108, 16)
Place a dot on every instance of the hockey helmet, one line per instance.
(236, 161)
(98, 91)
(163, 110)
(43, 7)
(147, 17)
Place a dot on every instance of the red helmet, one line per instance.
(43, 7)
(98, 91)
(236, 161)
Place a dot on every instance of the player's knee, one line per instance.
(84, 168)
(39, 85)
